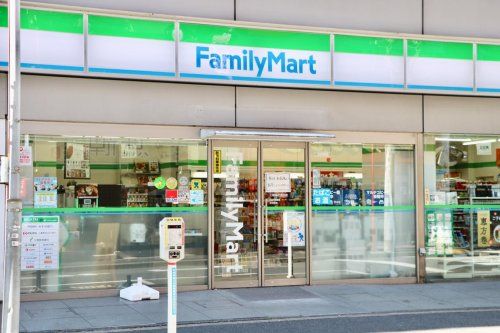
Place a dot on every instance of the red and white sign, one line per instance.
(25, 157)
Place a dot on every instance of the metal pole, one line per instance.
(172, 298)
(11, 290)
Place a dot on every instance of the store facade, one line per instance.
(330, 157)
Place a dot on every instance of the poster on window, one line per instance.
(76, 161)
(294, 228)
(45, 192)
(278, 182)
(483, 228)
(40, 243)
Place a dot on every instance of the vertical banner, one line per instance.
(361, 61)
(217, 161)
(256, 55)
(483, 228)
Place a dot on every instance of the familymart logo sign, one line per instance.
(242, 54)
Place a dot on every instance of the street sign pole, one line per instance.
(172, 297)
(11, 290)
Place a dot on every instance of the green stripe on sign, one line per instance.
(488, 52)
(33, 19)
(434, 49)
(369, 45)
(130, 28)
(3, 17)
(226, 35)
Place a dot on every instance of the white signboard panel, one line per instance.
(40, 243)
(278, 182)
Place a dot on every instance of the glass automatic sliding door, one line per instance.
(284, 213)
(235, 186)
(259, 213)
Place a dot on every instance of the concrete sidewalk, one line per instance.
(275, 302)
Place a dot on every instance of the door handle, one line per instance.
(266, 237)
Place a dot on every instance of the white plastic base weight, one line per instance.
(139, 292)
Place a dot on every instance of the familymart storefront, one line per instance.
(295, 156)
(261, 208)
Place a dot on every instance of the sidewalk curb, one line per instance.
(260, 319)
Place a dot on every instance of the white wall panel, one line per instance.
(220, 9)
(478, 115)
(477, 18)
(126, 102)
(328, 110)
(379, 15)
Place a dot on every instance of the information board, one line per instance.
(40, 243)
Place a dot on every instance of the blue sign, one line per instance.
(374, 197)
(351, 197)
(322, 197)
(337, 197)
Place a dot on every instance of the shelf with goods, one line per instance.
(138, 182)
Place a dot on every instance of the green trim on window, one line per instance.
(285, 208)
(430, 147)
(475, 165)
(124, 210)
(336, 164)
(363, 208)
(477, 206)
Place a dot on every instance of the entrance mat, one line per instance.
(272, 293)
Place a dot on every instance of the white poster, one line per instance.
(25, 156)
(278, 182)
(128, 150)
(293, 224)
(77, 161)
(40, 243)
(316, 175)
(484, 148)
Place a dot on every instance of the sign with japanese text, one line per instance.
(45, 192)
(77, 161)
(25, 156)
(293, 225)
(217, 161)
(40, 243)
(483, 228)
(278, 182)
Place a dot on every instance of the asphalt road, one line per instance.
(478, 320)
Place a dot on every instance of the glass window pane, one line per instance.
(462, 206)
(363, 214)
(110, 195)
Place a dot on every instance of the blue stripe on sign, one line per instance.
(52, 67)
(488, 89)
(129, 71)
(256, 79)
(4, 63)
(368, 84)
(426, 87)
